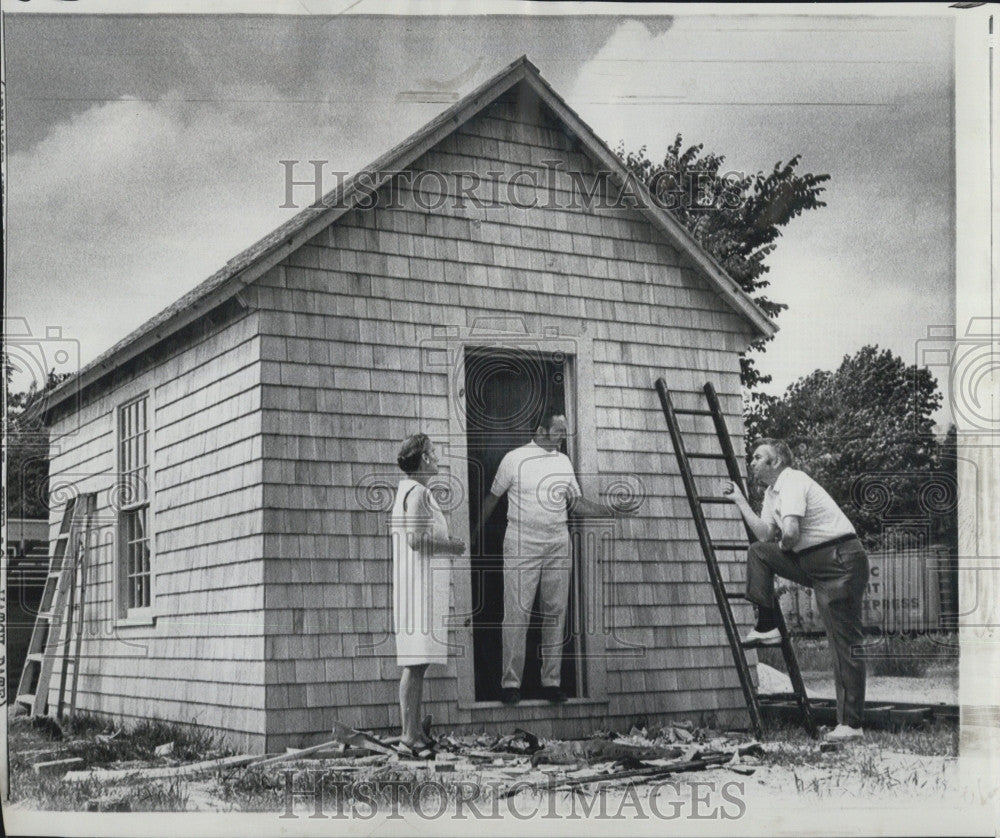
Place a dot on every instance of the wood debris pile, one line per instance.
(519, 757)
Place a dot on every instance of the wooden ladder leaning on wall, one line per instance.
(727, 455)
(69, 557)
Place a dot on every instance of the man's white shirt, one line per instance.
(539, 486)
(796, 493)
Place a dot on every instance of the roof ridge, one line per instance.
(245, 266)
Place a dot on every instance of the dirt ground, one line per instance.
(933, 688)
(881, 787)
(894, 782)
(934, 679)
(906, 771)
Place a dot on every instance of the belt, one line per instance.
(833, 542)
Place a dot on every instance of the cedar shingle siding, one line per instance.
(271, 426)
(202, 660)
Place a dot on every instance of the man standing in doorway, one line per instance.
(542, 489)
(804, 536)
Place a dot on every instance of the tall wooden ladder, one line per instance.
(709, 548)
(68, 555)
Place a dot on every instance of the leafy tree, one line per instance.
(26, 447)
(735, 217)
(865, 433)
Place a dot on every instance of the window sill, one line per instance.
(136, 620)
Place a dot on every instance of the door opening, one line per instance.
(506, 390)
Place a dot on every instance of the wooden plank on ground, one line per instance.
(155, 773)
(297, 754)
(56, 766)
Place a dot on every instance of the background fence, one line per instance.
(909, 590)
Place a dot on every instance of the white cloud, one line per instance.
(876, 264)
(133, 203)
(120, 210)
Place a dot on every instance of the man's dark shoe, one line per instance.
(554, 694)
(510, 695)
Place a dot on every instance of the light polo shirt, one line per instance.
(539, 484)
(796, 493)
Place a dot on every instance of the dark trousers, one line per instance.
(838, 576)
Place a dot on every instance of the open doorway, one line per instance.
(505, 392)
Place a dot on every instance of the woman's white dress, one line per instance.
(421, 583)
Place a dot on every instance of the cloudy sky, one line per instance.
(143, 150)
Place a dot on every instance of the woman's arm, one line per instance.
(424, 540)
(429, 544)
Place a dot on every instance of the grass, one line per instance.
(869, 775)
(53, 794)
(253, 789)
(29, 744)
(937, 738)
(390, 786)
(885, 763)
(867, 771)
(879, 764)
(911, 657)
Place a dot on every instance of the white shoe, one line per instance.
(762, 638)
(842, 733)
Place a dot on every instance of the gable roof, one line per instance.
(264, 254)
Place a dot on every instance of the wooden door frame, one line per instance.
(581, 417)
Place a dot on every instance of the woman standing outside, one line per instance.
(421, 577)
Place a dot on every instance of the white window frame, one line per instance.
(134, 495)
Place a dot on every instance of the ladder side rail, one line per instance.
(726, 442)
(795, 674)
(68, 623)
(85, 560)
(701, 526)
(58, 553)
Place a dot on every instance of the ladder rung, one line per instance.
(696, 456)
(34, 657)
(711, 499)
(44, 615)
(729, 545)
(688, 411)
(25, 698)
(734, 595)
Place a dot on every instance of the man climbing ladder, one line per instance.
(711, 546)
(804, 536)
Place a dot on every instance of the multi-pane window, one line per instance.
(133, 463)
